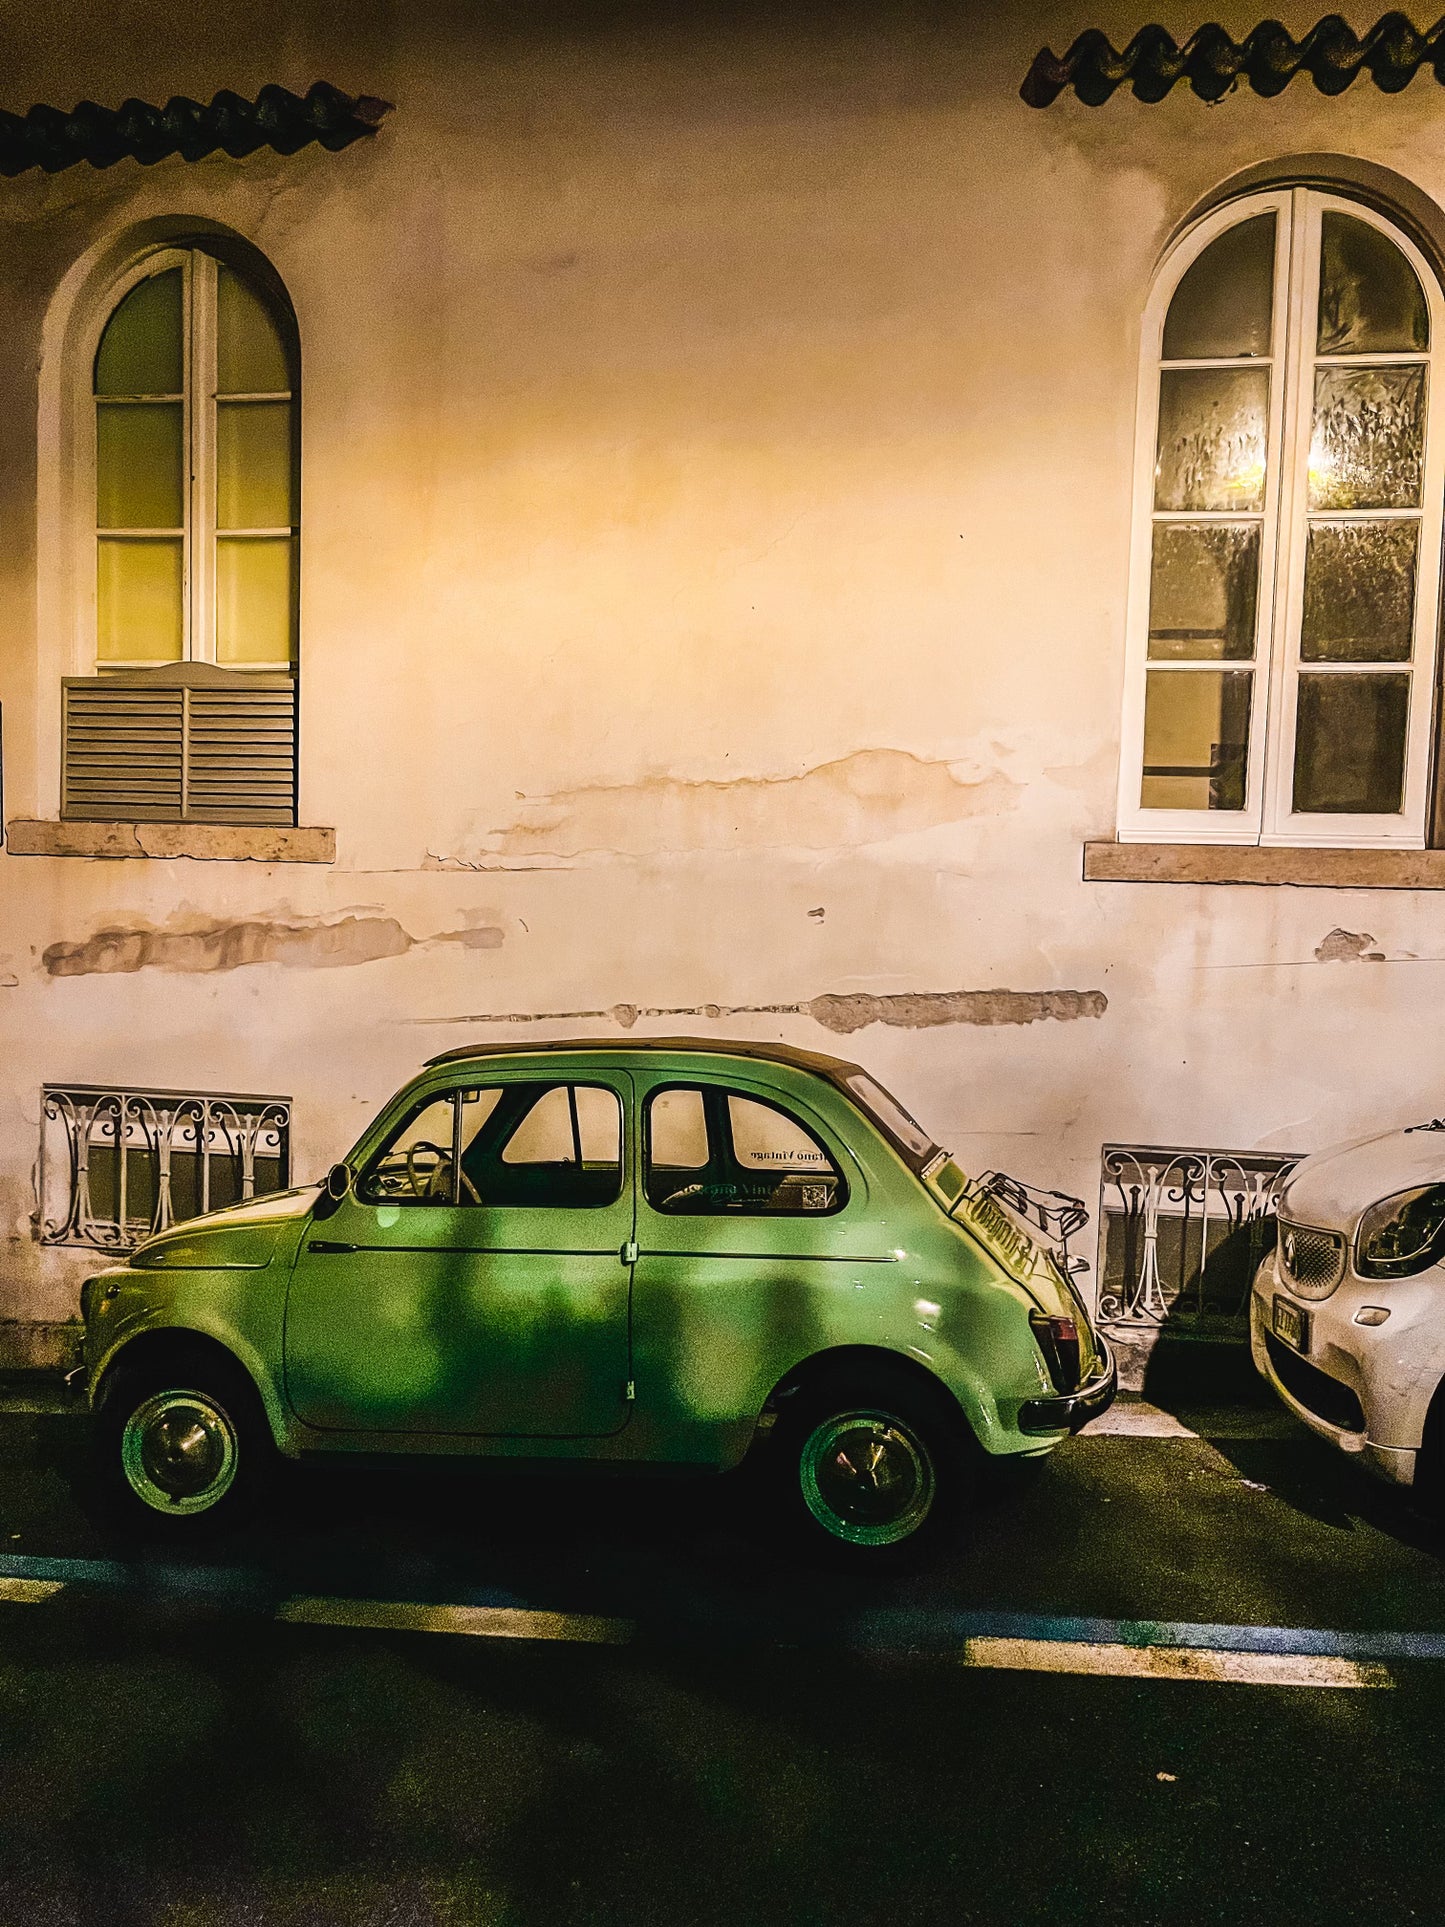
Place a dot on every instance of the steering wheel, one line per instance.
(424, 1185)
(436, 1182)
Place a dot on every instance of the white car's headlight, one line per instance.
(1402, 1234)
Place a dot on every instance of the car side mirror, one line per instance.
(334, 1188)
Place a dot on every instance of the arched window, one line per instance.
(1285, 603)
(191, 712)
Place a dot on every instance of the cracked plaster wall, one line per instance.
(717, 470)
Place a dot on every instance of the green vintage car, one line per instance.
(670, 1253)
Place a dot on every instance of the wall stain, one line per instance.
(906, 1010)
(1348, 946)
(866, 797)
(232, 946)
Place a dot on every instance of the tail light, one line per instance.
(1058, 1340)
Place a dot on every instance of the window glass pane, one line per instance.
(140, 612)
(783, 1168)
(677, 1132)
(1370, 299)
(1202, 591)
(1224, 303)
(254, 600)
(253, 465)
(1196, 739)
(568, 1124)
(250, 357)
(141, 350)
(527, 1153)
(139, 465)
(1368, 445)
(1359, 592)
(1349, 755)
(1212, 430)
(416, 1166)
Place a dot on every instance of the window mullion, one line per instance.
(1280, 665)
(202, 442)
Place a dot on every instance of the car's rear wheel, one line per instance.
(181, 1445)
(872, 1468)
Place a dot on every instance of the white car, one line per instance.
(1347, 1316)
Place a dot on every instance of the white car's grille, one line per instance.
(1311, 1262)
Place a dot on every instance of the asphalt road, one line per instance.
(773, 1742)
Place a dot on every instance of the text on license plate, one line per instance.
(1291, 1324)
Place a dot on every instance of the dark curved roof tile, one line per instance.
(1267, 60)
(49, 138)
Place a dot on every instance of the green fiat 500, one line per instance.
(666, 1253)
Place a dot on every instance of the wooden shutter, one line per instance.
(188, 743)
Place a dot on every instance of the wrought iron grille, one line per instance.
(1182, 1233)
(117, 1166)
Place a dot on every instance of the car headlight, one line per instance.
(1403, 1234)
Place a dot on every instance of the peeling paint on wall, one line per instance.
(1348, 946)
(907, 1010)
(231, 946)
(863, 798)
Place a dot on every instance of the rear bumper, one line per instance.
(1073, 1410)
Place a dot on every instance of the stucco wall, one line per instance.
(716, 454)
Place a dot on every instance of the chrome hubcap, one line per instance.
(179, 1452)
(866, 1478)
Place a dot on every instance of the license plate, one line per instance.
(1291, 1325)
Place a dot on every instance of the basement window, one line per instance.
(117, 1165)
(1182, 1233)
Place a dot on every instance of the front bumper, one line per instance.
(1073, 1410)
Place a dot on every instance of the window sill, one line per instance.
(1246, 863)
(213, 842)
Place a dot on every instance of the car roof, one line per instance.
(833, 1068)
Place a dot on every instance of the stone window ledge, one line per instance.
(214, 842)
(1247, 863)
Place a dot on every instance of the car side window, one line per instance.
(714, 1152)
(555, 1146)
(502, 1146)
(415, 1166)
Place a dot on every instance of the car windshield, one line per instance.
(907, 1134)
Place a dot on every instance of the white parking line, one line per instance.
(30, 1592)
(1173, 1662)
(1137, 1419)
(478, 1622)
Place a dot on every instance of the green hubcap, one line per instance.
(179, 1452)
(866, 1478)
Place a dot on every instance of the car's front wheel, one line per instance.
(180, 1445)
(872, 1467)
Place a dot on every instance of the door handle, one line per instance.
(323, 1245)
(628, 1253)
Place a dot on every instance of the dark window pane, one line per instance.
(1368, 446)
(1212, 428)
(140, 351)
(1349, 754)
(1224, 302)
(1196, 739)
(1359, 592)
(1371, 302)
(1202, 591)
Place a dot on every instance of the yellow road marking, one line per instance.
(30, 1592)
(480, 1622)
(1174, 1662)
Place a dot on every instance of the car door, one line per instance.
(476, 1279)
(753, 1221)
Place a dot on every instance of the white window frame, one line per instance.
(1268, 817)
(199, 281)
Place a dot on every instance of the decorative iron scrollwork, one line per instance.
(118, 1166)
